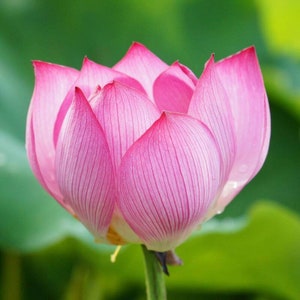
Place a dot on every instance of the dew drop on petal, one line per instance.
(220, 211)
(230, 185)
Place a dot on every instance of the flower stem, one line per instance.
(155, 282)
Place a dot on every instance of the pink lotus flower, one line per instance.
(144, 152)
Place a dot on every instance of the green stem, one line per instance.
(155, 282)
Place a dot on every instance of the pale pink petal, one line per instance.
(173, 90)
(52, 83)
(168, 180)
(32, 158)
(189, 73)
(141, 64)
(242, 78)
(124, 114)
(92, 77)
(84, 167)
(211, 105)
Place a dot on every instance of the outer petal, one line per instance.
(124, 114)
(173, 89)
(211, 105)
(141, 64)
(241, 76)
(84, 168)
(92, 76)
(52, 82)
(32, 157)
(168, 180)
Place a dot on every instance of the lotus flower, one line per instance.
(144, 152)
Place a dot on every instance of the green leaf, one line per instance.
(281, 25)
(283, 84)
(261, 258)
(14, 93)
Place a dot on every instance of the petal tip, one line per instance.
(210, 61)
(136, 44)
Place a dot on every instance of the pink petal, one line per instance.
(32, 157)
(168, 180)
(189, 73)
(92, 76)
(242, 78)
(173, 90)
(124, 114)
(84, 168)
(141, 64)
(211, 105)
(52, 83)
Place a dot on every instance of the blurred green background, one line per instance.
(251, 251)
